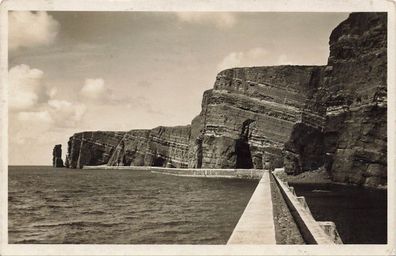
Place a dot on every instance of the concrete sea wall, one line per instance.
(189, 172)
(313, 232)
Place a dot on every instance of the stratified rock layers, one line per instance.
(356, 103)
(353, 138)
(248, 116)
(91, 148)
(300, 117)
(161, 146)
(244, 123)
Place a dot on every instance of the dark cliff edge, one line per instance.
(299, 117)
(351, 143)
(91, 148)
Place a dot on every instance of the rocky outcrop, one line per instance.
(304, 150)
(352, 142)
(57, 156)
(161, 146)
(245, 121)
(91, 148)
(300, 117)
(356, 104)
(248, 116)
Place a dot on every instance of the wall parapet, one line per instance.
(189, 172)
(313, 232)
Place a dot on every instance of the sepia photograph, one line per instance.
(190, 127)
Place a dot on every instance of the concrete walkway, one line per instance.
(256, 225)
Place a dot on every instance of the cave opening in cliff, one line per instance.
(242, 149)
(159, 161)
(243, 154)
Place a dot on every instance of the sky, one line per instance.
(76, 71)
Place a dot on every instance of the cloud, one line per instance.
(31, 101)
(51, 92)
(65, 113)
(94, 89)
(38, 116)
(253, 57)
(220, 20)
(31, 29)
(56, 114)
(26, 87)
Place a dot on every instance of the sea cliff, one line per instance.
(351, 144)
(299, 117)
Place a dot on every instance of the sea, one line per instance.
(360, 214)
(71, 206)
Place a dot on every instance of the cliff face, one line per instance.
(244, 122)
(351, 143)
(356, 115)
(248, 116)
(299, 117)
(161, 146)
(91, 148)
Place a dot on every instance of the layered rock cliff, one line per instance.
(91, 148)
(245, 121)
(161, 146)
(357, 84)
(248, 116)
(352, 142)
(300, 117)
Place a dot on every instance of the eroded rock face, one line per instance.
(352, 100)
(91, 148)
(161, 146)
(300, 117)
(244, 123)
(248, 116)
(304, 150)
(356, 102)
(57, 156)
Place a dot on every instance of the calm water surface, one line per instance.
(360, 214)
(48, 205)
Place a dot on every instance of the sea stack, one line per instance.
(57, 156)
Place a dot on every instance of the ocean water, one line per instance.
(360, 214)
(48, 205)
